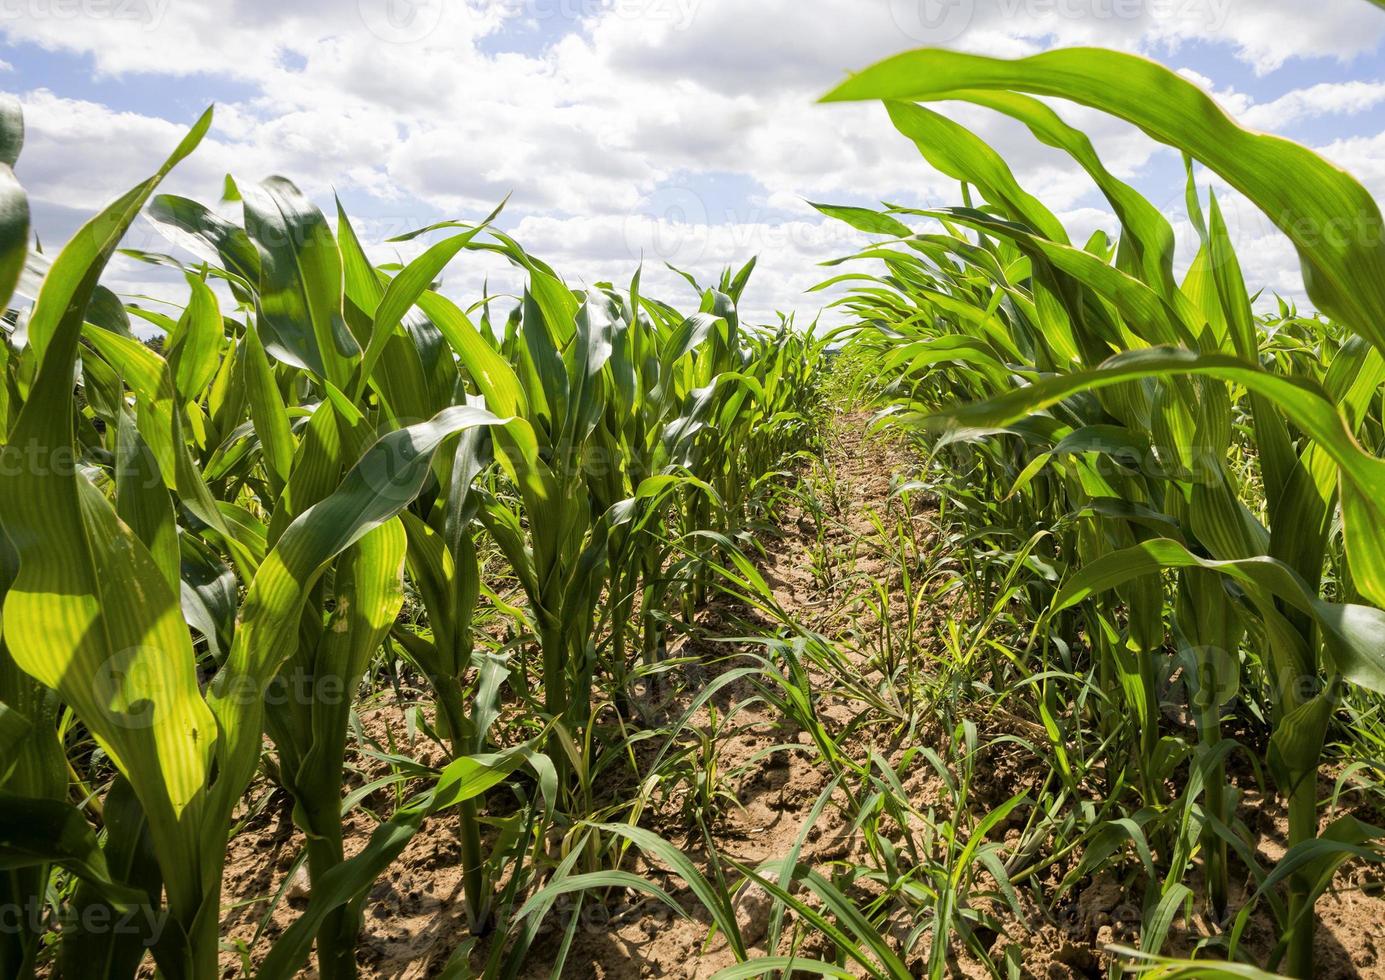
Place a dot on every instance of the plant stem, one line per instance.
(1303, 826)
(336, 938)
(478, 899)
(1213, 844)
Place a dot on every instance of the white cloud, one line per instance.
(660, 125)
(1326, 98)
(1363, 157)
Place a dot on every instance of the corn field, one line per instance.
(1070, 663)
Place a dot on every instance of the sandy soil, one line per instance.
(414, 917)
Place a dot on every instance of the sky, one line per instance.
(636, 131)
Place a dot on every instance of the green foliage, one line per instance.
(215, 540)
(1203, 480)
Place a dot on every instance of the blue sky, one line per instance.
(679, 130)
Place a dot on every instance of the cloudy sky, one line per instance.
(678, 130)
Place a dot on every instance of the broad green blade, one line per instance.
(300, 287)
(89, 612)
(14, 203)
(1304, 195)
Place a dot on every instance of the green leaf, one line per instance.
(782, 966)
(34, 831)
(384, 481)
(1362, 476)
(14, 203)
(100, 939)
(300, 288)
(463, 779)
(959, 153)
(544, 897)
(207, 235)
(864, 219)
(194, 351)
(268, 412)
(1304, 195)
(143, 502)
(404, 291)
(89, 612)
(1355, 634)
(717, 904)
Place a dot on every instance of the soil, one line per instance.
(414, 918)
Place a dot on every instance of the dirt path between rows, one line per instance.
(820, 560)
(776, 790)
(415, 916)
(820, 567)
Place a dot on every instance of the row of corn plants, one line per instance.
(207, 545)
(1202, 484)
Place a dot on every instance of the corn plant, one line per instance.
(207, 543)
(102, 577)
(1096, 385)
